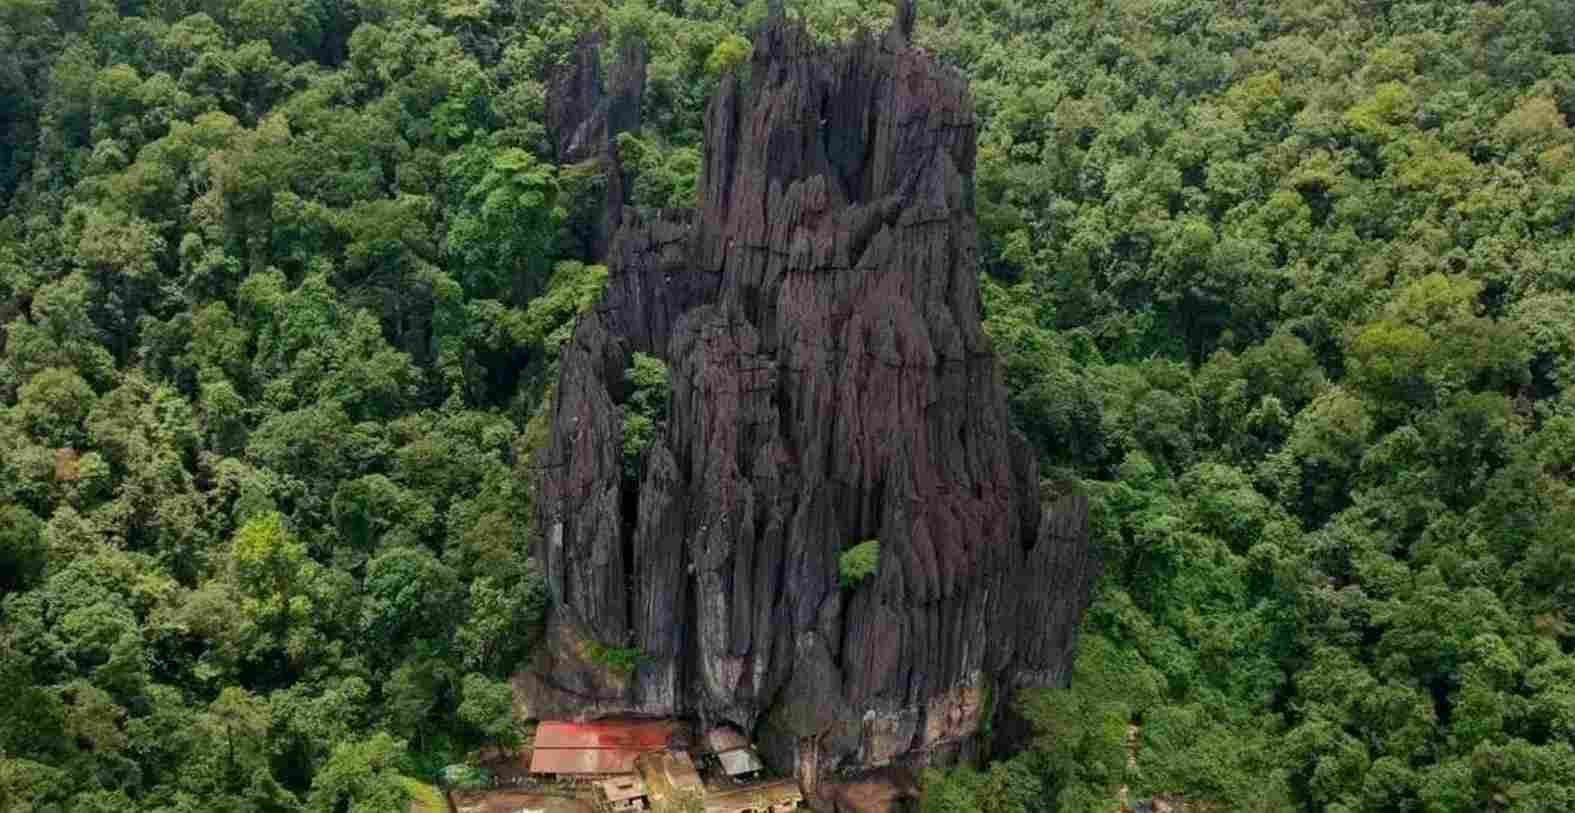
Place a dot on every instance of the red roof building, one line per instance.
(605, 747)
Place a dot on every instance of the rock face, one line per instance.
(584, 119)
(831, 383)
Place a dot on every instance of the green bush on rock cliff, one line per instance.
(622, 660)
(858, 563)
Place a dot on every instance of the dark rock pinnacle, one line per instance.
(832, 383)
(584, 118)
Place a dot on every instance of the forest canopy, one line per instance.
(1287, 287)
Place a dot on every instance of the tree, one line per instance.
(121, 255)
(238, 722)
(60, 333)
(503, 234)
(289, 604)
(409, 595)
(363, 776)
(27, 786)
(487, 706)
(507, 614)
(266, 560)
(309, 721)
(1311, 473)
(23, 555)
(728, 54)
(53, 404)
(645, 414)
(414, 692)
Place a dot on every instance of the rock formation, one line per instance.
(584, 119)
(831, 383)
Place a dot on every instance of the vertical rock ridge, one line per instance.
(831, 382)
(584, 117)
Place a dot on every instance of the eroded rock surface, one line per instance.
(585, 115)
(820, 315)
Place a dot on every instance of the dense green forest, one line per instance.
(1287, 286)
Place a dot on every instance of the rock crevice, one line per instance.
(831, 382)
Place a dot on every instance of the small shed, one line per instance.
(733, 752)
(725, 738)
(740, 762)
(603, 747)
(624, 793)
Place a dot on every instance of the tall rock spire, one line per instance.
(584, 117)
(831, 384)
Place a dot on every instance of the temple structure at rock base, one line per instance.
(831, 383)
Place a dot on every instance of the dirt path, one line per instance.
(509, 801)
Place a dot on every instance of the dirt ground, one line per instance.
(508, 801)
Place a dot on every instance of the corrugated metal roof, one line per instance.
(739, 761)
(637, 735)
(724, 738)
(597, 748)
(582, 760)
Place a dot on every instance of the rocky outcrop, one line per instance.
(886, 790)
(584, 117)
(831, 383)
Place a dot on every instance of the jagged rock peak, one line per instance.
(831, 383)
(583, 113)
(584, 118)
